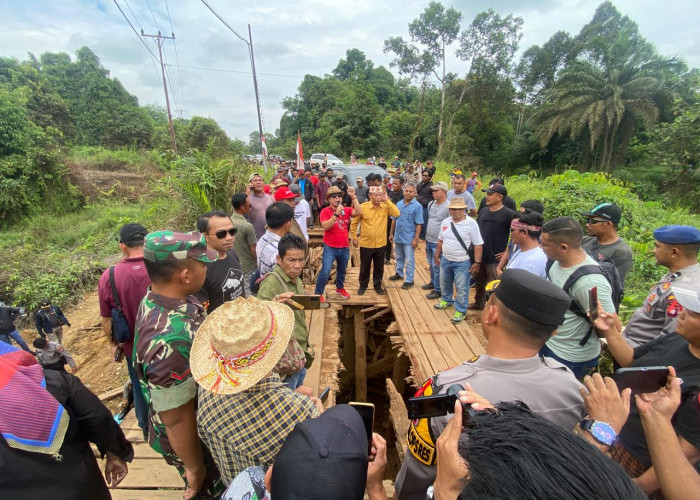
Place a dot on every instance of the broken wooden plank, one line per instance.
(380, 313)
(110, 394)
(399, 417)
(381, 366)
(360, 356)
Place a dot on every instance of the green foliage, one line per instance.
(59, 256)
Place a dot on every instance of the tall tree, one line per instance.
(434, 30)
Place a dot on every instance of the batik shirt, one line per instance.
(165, 329)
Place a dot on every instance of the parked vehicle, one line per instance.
(351, 172)
(317, 160)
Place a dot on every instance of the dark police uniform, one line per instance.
(545, 385)
(658, 313)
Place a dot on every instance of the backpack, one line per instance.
(120, 328)
(609, 271)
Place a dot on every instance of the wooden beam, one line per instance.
(399, 417)
(370, 309)
(381, 366)
(111, 394)
(360, 357)
(380, 313)
(400, 372)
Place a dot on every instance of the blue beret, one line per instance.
(677, 235)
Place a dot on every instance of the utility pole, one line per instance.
(159, 40)
(257, 99)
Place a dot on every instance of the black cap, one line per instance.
(496, 188)
(132, 233)
(532, 297)
(607, 211)
(323, 458)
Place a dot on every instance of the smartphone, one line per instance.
(641, 380)
(437, 405)
(324, 394)
(307, 302)
(366, 411)
(593, 303)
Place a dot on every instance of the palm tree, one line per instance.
(603, 105)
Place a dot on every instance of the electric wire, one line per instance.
(153, 56)
(177, 59)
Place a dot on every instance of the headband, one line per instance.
(516, 224)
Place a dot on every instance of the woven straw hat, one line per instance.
(457, 202)
(239, 343)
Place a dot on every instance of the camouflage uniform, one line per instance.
(165, 329)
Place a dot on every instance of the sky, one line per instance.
(209, 70)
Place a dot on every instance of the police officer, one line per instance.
(519, 317)
(675, 247)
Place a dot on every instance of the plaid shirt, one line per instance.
(247, 429)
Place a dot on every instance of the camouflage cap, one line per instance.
(167, 245)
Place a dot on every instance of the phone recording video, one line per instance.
(366, 411)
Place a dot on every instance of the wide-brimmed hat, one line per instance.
(239, 344)
(333, 190)
(457, 202)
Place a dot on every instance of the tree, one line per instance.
(616, 84)
(434, 30)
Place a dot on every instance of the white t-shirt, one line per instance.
(533, 260)
(452, 249)
(301, 212)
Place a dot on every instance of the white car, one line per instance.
(317, 159)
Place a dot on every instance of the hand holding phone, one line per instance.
(641, 379)
(324, 395)
(366, 411)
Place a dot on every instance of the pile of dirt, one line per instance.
(113, 180)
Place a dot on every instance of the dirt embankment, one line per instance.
(89, 347)
(111, 178)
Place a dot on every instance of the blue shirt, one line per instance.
(411, 215)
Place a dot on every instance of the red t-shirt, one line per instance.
(337, 235)
(132, 282)
(314, 180)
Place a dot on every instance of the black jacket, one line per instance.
(77, 476)
(7, 319)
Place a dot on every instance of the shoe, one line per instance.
(427, 286)
(474, 307)
(395, 277)
(407, 285)
(442, 305)
(343, 294)
(379, 290)
(323, 298)
(458, 317)
(361, 290)
(145, 434)
(433, 295)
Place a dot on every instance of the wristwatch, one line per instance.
(601, 431)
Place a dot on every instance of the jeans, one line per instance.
(140, 406)
(246, 283)
(424, 227)
(295, 381)
(371, 257)
(487, 273)
(580, 368)
(331, 255)
(434, 268)
(455, 275)
(405, 256)
(17, 338)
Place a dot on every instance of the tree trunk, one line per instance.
(441, 140)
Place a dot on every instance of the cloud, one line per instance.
(291, 39)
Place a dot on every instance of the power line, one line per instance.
(132, 13)
(219, 70)
(153, 16)
(134, 30)
(177, 59)
(225, 23)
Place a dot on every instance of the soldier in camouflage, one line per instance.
(167, 320)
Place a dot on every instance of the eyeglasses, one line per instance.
(222, 234)
(595, 221)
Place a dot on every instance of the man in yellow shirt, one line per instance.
(373, 241)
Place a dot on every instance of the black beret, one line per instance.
(533, 297)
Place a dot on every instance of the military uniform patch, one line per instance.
(673, 307)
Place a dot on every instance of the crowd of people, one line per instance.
(217, 357)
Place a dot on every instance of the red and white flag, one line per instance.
(264, 146)
(300, 152)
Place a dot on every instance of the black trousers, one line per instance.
(368, 257)
(388, 248)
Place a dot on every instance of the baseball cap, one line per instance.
(329, 453)
(359, 178)
(607, 211)
(254, 174)
(689, 298)
(168, 245)
(333, 190)
(496, 188)
(296, 189)
(532, 297)
(284, 193)
(339, 175)
(132, 233)
(439, 185)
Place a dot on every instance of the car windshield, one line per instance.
(333, 157)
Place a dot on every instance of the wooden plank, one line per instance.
(386, 364)
(315, 321)
(111, 394)
(377, 315)
(400, 372)
(399, 417)
(138, 494)
(352, 282)
(360, 356)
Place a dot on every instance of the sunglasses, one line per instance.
(336, 196)
(595, 221)
(222, 234)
